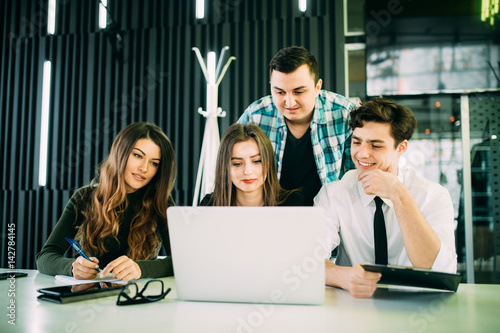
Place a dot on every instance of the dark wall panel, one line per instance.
(99, 85)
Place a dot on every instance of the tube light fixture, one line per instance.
(103, 14)
(200, 9)
(44, 131)
(302, 5)
(51, 17)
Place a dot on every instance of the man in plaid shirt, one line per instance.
(307, 126)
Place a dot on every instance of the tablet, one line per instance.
(415, 277)
(79, 292)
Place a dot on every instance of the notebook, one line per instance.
(248, 254)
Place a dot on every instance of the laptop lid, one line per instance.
(248, 254)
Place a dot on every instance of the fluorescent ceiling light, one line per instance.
(103, 14)
(302, 5)
(200, 9)
(44, 131)
(51, 19)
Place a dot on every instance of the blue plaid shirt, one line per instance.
(330, 132)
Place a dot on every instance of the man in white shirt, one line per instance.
(418, 213)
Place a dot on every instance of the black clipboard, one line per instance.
(415, 277)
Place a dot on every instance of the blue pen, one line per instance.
(78, 248)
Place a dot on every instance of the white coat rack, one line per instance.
(211, 139)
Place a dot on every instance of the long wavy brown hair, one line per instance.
(224, 191)
(108, 200)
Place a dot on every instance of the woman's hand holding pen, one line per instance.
(123, 268)
(84, 269)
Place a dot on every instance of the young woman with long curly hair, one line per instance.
(120, 218)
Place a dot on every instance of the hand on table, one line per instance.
(361, 283)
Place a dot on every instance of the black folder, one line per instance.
(415, 277)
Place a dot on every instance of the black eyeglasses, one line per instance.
(152, 291)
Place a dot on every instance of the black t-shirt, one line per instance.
(299, 171)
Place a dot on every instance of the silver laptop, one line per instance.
(248, 254)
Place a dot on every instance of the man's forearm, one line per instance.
(334, 275)
(421, 242)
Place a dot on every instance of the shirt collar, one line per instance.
(280, 122)
(319, 117)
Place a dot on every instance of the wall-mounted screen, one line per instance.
(423, 46)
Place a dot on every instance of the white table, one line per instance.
(474, 308)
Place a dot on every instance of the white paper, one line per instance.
(71, 280)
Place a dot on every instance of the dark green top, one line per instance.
(50, 260)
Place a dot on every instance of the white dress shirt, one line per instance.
(349, 215)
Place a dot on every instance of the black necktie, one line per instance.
(380, 235)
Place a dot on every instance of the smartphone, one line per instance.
(79, 292)
(6, 276)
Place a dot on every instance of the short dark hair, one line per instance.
(287, 60)
(380, 110)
